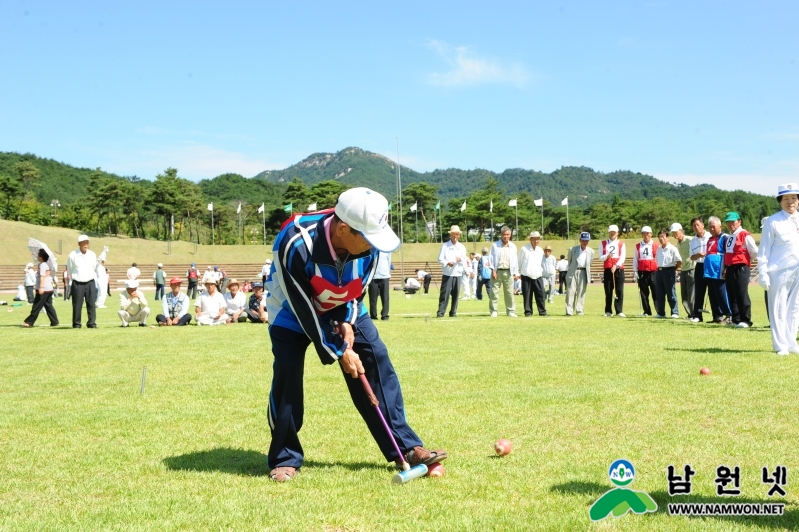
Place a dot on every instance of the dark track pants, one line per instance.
(30, 292)
(191, 291)
(426, 282)
(737, 280)
(717, 293)
(480, 283)
(618, 304)
(67, 290)
(80, 292)
(379, 287)
(182, 321)
(647, 282)
(286, 397)
(700, 289)
(42, 301)
(450, 287)
(159, 292)
(533, 287)
(561, 282)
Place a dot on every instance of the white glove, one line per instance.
(635, 277)
(105, 248)
(765, 282)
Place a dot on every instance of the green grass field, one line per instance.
(83, 450)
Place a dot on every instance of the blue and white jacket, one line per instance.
(306, 289)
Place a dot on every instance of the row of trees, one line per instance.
(171, 207)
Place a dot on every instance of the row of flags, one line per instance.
(313, 206)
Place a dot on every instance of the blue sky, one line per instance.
(685, 91)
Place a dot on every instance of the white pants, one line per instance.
(783, 308)
(102, 291)
(127, 317)
(466, 283)
(473, 281)
(209, 320)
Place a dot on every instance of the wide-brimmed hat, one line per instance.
(366, 211)
(233, 281)
(160, 265)
(534, 234)
(455, 229)
(548, 248)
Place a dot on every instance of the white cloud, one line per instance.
(193, 161)
(466, 68)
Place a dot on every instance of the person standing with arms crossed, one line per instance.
(613, 252)
(451, 258)
(82, 265)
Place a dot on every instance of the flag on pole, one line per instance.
(312, 206)
(261, 208)
(565, 201)
(173, 225)
(491, 206)
(463, 207)
(539, 202)
(389, 207)
(512, 203)
(438, 206)
(413, 207)
(211, 207)
(288, 208)
(238, 211)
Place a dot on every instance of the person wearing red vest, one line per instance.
(645, 268)
(613, 253)
(739, 248)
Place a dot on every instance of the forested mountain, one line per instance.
(101, 202)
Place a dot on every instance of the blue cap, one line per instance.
(216, 267)
(193, 265)
(585, 235)
(257, 285)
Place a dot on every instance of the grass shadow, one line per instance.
(580, 487)
(714, 350)
(248, 463)
(222, 459)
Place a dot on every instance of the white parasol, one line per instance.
(34, 246)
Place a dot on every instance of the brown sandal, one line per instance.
(26, 325)
(283, 474)
(420, 455)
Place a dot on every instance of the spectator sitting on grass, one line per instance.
(210, 307)
(175, 306)
(256, 310)
(235, 302)
(133, 305)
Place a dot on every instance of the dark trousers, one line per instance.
(30, 293)
(647, 282)
(618, 302)
(700, 289)
(379, 287)
(717, 293)
(561, 282)
(253, 315)
(43, 301)
(67, 290)
(191, 291)
(286, 407)
(159, 289)
(182, 321)
(80, 292)
(480, 283)
(426, 282)
(450, 287)
(665, 289)
(533, 287)
(737, 279)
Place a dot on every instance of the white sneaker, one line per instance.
(579, 313)
(694, 320)
(493, 314)
(512, 315)
(608, 314)
(742, 325)
(675, 316)
(782, 353)
(620, 315)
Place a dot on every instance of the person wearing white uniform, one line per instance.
(451, 258)
(235, 303)
(82, 265)
(210, 308)
(265, 270)
(133, 305)
(102, 284)
(531, 269)
(778, 264)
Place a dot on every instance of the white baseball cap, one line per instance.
(366, 211)
(160, 265)
(613, 227)
(788, 188)
(131, 283)
(675, 227)
(646, 229)
(83, 238)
